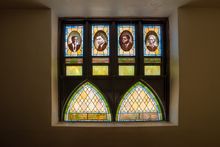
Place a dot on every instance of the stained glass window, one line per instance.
(87, 103)
(100, 40)
(139, 104)
(126, 40)
(74, 41)
(112, 53)
(152, 42)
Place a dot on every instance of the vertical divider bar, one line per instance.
(87, 51)
(141, 50)
(113, 49)
(113, 64)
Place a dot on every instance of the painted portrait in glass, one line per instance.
(74, 41)
(100, 40)
(152, 40)
(126, 40)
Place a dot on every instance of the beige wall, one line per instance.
(25, 105)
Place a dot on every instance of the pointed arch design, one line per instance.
(87, 103)
(140, 103)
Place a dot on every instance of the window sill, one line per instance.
(116, 124)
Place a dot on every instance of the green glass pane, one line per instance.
(74, 60)
(139, 104)
(100, 60)
(152, 60)
(126, 60)
(99, 70)
(125, 70)
(150, 70)
(87, 103)
(73, 70)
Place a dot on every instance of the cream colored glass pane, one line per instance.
(100, 70)
(151, 70)
(125, 70)
(73, 70)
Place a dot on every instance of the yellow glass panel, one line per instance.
(126, 70)
(97, 116)
(98, 70)
(151, 70)
(77, 116)
(73, 70)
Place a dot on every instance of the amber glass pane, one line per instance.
(152, 70)
(73, 70)
(100, 70)
(126, 70)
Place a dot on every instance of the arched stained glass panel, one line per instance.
(87, 103)
(139, 104)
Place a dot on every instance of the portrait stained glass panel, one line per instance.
(126, 40)
(152, 40)
(87, 103)
(100, 40)
(74, 41)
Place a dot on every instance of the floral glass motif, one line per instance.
(87, 103)
(74, 41)
(126, 40)
(100, 40)
(152, 40)
(139, 104)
